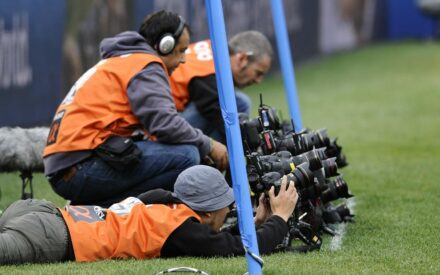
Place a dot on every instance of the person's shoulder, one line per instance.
(158, 196)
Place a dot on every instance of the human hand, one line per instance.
(284, 203)
(219, 155)
(263, 210)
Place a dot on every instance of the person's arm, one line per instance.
(158, 196)
(198, 240)
(203, 92)
(151, 102)
(195, 239)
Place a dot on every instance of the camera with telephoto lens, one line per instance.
(283, 162)
(296, 143)
(336, 189)
(318, 153)
(338, 214)
(316, 158)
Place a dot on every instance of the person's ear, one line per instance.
(206, 217)
(242, 60)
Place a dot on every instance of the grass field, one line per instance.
(383, 102)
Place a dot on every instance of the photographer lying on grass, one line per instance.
(158, 223)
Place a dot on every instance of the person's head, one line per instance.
(251, 56)
(168, 34)
(205, 190)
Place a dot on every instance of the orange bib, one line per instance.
(129, 229)
(199, 63)
(97, 106)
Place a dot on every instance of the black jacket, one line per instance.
(203, 92)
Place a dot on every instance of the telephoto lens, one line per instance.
(330, 215)
(302, 176)
(330, 167)
(336, 189)
(344, 213)
(314, 153)
(323, 139)
(338, 214)
(287, 143)
(334, 150)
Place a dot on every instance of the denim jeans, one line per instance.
(193, 116)
(96, 183)
(243, 102)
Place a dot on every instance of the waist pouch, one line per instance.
(119, 152)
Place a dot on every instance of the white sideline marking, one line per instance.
(341, 228)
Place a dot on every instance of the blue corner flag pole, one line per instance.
(235, 147)
(286, 61)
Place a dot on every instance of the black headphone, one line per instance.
(167, 41)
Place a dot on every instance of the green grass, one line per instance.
(383, 102)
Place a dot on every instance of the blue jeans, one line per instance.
(243, 102)
(96, 183)
(193, 116)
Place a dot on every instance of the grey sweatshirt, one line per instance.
(151, 102)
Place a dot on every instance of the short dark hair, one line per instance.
(159, 23)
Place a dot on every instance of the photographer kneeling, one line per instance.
(117, 133)
(158, 223)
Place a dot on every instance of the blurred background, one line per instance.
(46, 45)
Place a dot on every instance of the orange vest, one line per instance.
(129, 229)
(199, 63)
(97, 106)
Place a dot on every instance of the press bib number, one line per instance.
(202, 51)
